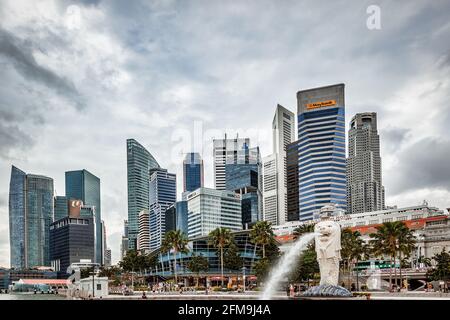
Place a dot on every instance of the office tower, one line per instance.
(209, 209)
(193, 175)
(72, 239)
(61, 208)
(124, 243)
(139, 164)
(270, 198)
(143, 240)
(246, 180)
(283, 130)
(104, 244)
(292, 181)
(108, 257)
(162, 194)
(321, 138)
(30, 214)
(177, 217)
(227, 151)
(365, 191)
(84, 186)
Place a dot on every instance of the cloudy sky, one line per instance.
(77, 78)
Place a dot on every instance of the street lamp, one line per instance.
(243, 276)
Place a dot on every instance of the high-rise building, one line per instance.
(292, 181)
(321, 138)
(124, 243)
(61, 208)
(72, 239)
(108, 257)
(365, 191)
(283, 130)
(270, 198)
(246, 180)
(193, 172)
(163, 193)
(177, 217)
(139, 164)
(209, 209)
(30, 214)
(227, 151)
(84, 186)
(143, 240)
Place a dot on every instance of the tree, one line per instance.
(198, 264)
(219, 238)
(406, 244)
(174, 241)
(262, 234)
(303, 229)
(261, 268)
(133, 261)
(353, 250)
(442, 269)
(232, 259)
(390, 239)
(425, 261)
(307, 267)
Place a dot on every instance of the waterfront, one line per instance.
(30, 296)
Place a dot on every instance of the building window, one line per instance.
(99, 286)
(387, 220)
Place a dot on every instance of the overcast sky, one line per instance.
(79, 78)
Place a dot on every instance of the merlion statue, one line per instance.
(328, 249)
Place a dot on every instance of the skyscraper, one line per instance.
(177, 217)
(292, 181)
(245, 179)
(30, 215)
(124, 243)
(321, 138)
(209, 209)
(283, 129)
(365, 191)
(163, 193)
(270, 198)
(193, 175)
(227, 151)
(139, 164)
(143, 240)
(84, 186)
(61, 208)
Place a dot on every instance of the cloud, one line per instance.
(20, 55)
(393, 138)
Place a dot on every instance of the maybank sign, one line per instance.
(320, 104)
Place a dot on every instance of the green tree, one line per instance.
(406, 243)
(303, 229)
(391, 239)
(262, 234)
(441, 271)
(198, 264)
(174, 241)
(353, 250)
(232, 259)
(132, 262)
(307, 267)
(262, 267)
(219, 238)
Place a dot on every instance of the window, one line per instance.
(99, 286)
(387, 220)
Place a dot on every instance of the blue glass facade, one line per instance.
(162, 193)
(139, 164)
(61, 208)
(30, 215)
(177, 217)
(192, 172)
(321, 149)
(83, 185)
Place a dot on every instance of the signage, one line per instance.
(320, 104)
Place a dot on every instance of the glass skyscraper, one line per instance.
(139, 164)
(321, 149)
(177, 217)
(162, 193)
(30, 215)
(61, 208)
(84, 186)
(193, 175)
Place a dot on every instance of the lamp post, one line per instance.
(243, 276)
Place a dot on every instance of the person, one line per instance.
(287, 290)
(144, 296)
(353, 287)
(291, 289)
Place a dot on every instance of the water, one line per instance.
(285, 265)
(30, 296)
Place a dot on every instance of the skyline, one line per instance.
(144, 86)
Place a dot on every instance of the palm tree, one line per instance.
(262, 234)
(176, 241)
(386, 242)
(353, 249)
(406, 243)
(220, 238)
(198, 264)
(301, 230)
